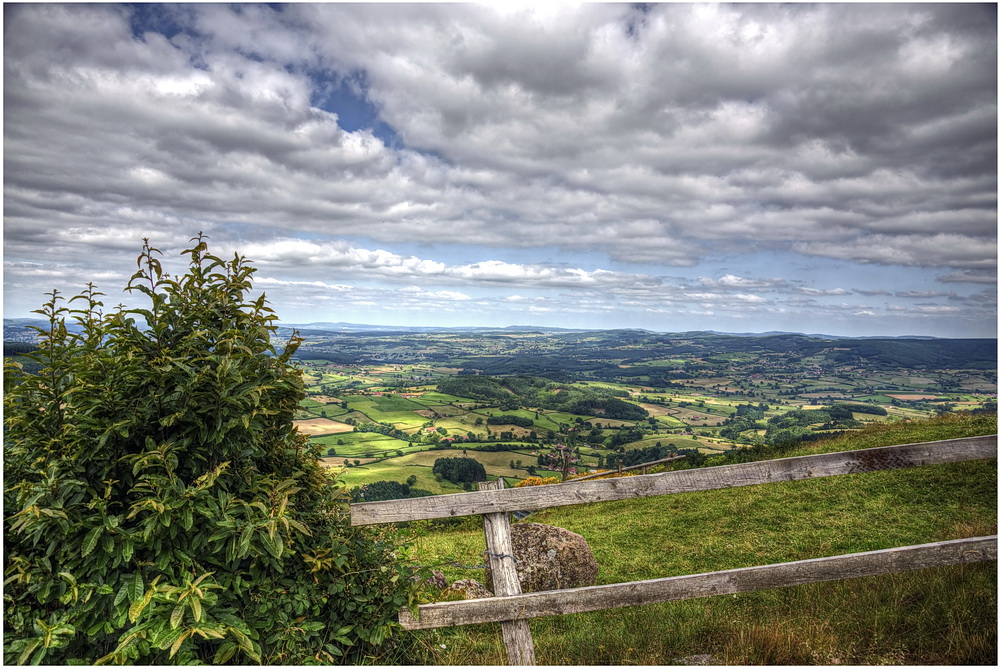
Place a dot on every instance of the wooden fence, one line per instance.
(513, 609)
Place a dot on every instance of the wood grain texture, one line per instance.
(600, 597)
(621, 469)
(500, 554)
(669, 483)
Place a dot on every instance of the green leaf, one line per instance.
(225, 652)
(168, 639)
(273, 545)
(122, 594)
(90, 541)
(32, 644)
(176, 616)
(196, 611)
(136, 587)
(136, 609)
(176, 646)
(245, 538)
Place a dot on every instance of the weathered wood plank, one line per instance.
(600, 597)
(625, 469)
(668, 483)
(500, 554)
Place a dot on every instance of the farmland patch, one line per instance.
(316, 426)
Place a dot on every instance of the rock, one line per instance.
(436, 579)
(696, 660)
(469, 588)
(550, 558)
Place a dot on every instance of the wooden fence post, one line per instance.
(500, 554)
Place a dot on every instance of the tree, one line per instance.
(160, 506)
(460, 470)
(383, 490)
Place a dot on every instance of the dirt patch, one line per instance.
(325, 399)
(696, 418)
(656, 409)
(913, 397)
(315, 426)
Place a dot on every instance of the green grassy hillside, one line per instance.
(944, 615)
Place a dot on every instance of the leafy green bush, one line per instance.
(507, 419)
(460, 470)
(377, 491)
(161, 508)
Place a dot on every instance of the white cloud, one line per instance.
(826, 291)
(731, 281)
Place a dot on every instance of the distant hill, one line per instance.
(771, 333)
(360, 327)
(19, 329)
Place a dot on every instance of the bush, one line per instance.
(161, 507)
(536, 480)
(459, 470)
(378, 491)
(507, 419)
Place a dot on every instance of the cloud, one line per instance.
(345, 260)
(743, 283)
(925, 309)
(931, 250)
(826, 291)
(969, 276)
(922, 294)
(604, 142)
(540, 121)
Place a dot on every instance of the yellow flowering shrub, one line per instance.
(536, 480)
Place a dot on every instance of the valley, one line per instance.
(384, 406)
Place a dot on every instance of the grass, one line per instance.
(399, 468)
(945, 615)
(357, 444)
(405, 467)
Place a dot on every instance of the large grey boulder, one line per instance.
(550, 558)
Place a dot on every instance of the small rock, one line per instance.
(436, 580)
(695, 660)
(469, 588)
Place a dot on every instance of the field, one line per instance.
(689, 388)
(942, 616)
(317, 426)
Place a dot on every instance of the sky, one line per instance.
(673, 167)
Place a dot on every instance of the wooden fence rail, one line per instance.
(611, 472)
(512, 608)
(692, 586)
(669, 483)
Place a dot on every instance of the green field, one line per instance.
(680, 442)
(717, 380)
(363, 444)
(941, 616)
(420, 463)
